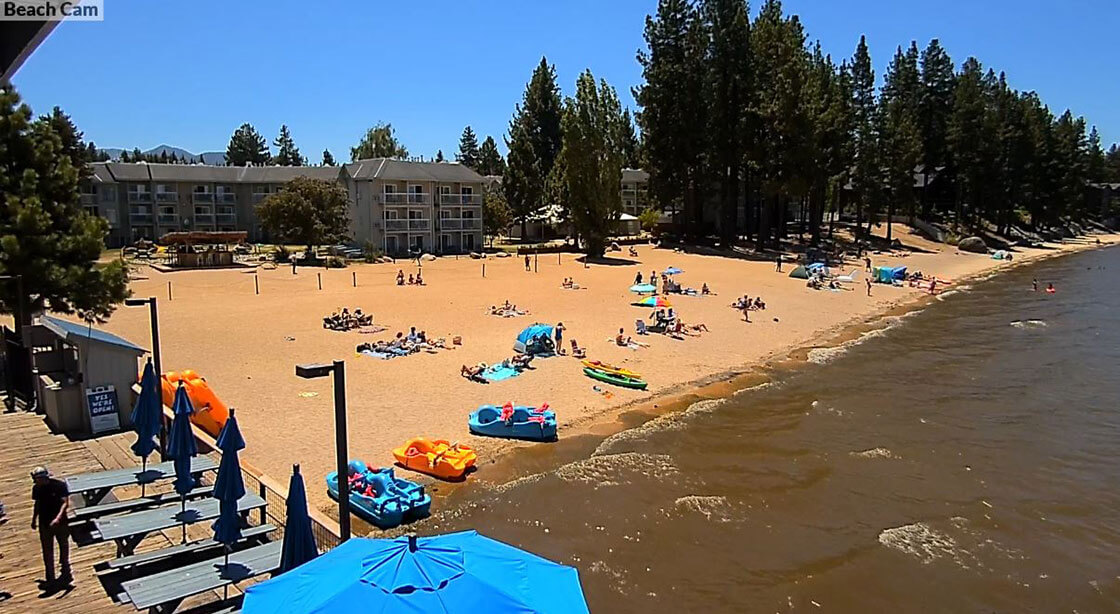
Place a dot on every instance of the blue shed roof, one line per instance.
(69, 330)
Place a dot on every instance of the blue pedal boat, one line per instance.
(513, 422)
(381, 498)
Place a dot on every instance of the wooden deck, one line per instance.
(25, 443)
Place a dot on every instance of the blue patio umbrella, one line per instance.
(229, 486)
(182, 448)
(455, 573)
(299, 541)
(643, 288)
(672, 271)
(146, 417)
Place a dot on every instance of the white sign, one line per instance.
(103, 410)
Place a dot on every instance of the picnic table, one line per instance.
(127, 530)
(93, 487)
(161, 593)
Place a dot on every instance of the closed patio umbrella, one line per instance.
(457, 573)
(146, 417)
(299, 541)
(229, 486)
(182, 448)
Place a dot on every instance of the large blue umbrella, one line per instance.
(146, 417)
(229, 486)
(455, 573)
(299, 541)
(530, 333)
(643, 288)
(181, 448)
(673, 271)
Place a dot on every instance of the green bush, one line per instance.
(334, 262)
(282, 255)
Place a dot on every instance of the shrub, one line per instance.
(282, 255)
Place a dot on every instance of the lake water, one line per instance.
(964, 458)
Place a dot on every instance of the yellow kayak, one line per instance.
(611, 369)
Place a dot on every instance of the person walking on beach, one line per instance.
(559, 331)
(52, 502)
(526, 262)
(867, 264)
(638, 278)
(778, 261)
(868, 280)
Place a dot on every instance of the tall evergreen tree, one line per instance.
(468, 149)
(378, 142)
(1095, 163)
(935, 104)
(46, 236)
(246, 147)
(901, 138)
(490, 160)
(966, 136)
(534, 142)
(287, 154)
(867, 172)
(672, 114)
(439, 156)
(631, 146)
(328, 159)
(592, 160)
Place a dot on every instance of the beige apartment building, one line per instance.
(395, 204)
(635, 191)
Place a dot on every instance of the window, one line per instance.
(444, 189)
(391, 214)
(390, 188)
(201, 189)
(108, 193)
(467, 190)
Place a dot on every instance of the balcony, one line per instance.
(460, 223)
(204, 218)
(227, 218)
(202, 197)
(89, 199)
(166, 219)
(417, 224)
(167, 197)
(227, 198)
(140, 218)
(140, 197)
(460, 199)
(472, 223)
(396, 225)
(400, 198)
(259, 196)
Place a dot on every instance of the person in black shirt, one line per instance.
(52, 502)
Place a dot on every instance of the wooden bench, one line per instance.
(94, 487)
(129, 529)
(249, 535)
(83, 514)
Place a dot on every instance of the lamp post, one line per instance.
(338, 368)
(153, 315)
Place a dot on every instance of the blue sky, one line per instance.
(188, 73)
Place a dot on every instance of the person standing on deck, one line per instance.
(52, 502)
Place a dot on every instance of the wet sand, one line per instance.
(246, 345)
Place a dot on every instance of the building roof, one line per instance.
(282, 174)
(193, 172)
(389, 168)
(122, 171)
(634, 175)
(72, 332)
(109, 172)
(100, 174)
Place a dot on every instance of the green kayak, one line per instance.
(617, 380)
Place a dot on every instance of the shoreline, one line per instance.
(583, 438)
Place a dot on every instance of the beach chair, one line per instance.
(640, 327)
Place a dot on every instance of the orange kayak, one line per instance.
(436, 457)
(210, 413)
(613, 370)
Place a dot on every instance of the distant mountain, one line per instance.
(207, 157)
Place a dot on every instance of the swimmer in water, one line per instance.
(1050, 288)
(1034, 285)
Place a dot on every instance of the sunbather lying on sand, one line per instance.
(520, 361)
(474, 373)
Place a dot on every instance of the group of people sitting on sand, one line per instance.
(345, 320)
(507, 310)
(518, 362)
(752, 304)
(403, 345)
(413, 280)
(667, 322)
(569, 283)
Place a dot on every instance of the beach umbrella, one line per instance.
(229, 486)
(146, 417)
(654, 301)
(455, 573)
(299, 541)
(181, 448)
(643, 288)
(525, 337)
(672, 271)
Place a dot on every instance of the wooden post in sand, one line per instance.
(535, 255)
(169, 290)
(354, 278)
(320, 276)
(256, 283)
(557, 257)
(484, 269)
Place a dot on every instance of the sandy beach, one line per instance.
(246, 345)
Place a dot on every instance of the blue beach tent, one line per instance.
(457, 573)
(525, 337)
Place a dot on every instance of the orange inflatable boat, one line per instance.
(210, 413)
(436, 457)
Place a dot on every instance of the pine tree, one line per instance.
(935, 104)
(47, 237)
(439, 156)
(123, 157)
(490, 160)
(534, 142)
(966, 136)
(901, 138)
(631, 146)
(247, 147)
(496, 214)
(1112, 164)
(468, 149)
(378, 142)
(1095, 164)
(328, 159)
(592, 161)
(287, 154)
(867, 172)
(672, 115)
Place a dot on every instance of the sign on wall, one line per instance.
(103, 411)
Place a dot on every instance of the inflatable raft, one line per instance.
(380, 497)
(210, 413)
(513, 422)
(616, 379)
(605, 368)
(437, 457)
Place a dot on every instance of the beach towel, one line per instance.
(380, 355)
(499, 372)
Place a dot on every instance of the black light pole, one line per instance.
(338, 368)
(153, 315)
